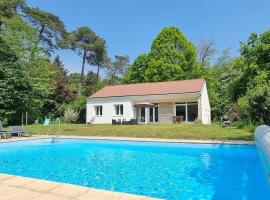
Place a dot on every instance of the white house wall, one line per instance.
(108, 110)
(205, 106)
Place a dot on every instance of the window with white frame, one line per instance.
(119, 109)
(98, 110)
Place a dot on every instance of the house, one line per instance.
(158, 102)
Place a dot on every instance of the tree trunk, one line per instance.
(41, 32)
(82, 73)
(112, 76)
(98, 69)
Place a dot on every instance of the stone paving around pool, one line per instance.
(22, 188)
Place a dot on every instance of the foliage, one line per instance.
(70, 115)
(206, 50)
(22, 40)
(49, 27)
(89, 46)
(8, 9)
(80, 105)
(117, 69)
(252, 87)
(172, 57)
(14, 84)
(137, 70)
(60, 67)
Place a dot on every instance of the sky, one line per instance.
(129, 26)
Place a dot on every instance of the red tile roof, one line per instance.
(140, 89)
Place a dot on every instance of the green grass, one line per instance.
(177, 131)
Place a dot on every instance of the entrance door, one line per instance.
(153, 114)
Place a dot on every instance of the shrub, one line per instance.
(70, 115)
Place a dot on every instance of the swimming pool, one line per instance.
(162, 170)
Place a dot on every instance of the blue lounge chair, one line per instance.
(18, 131)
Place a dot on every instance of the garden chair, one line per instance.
(91, 120)
(19, 131)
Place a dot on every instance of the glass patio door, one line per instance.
(192, 112)
(142, 114)
(181, 111)
(188, 112)
(153, 114)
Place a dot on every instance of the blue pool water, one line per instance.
(163, 170)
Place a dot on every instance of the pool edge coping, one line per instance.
(133, 139)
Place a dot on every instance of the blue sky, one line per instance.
(129, 26)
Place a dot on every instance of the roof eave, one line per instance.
(187, 93)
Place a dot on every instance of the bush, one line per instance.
(70, 115)
(198, 121)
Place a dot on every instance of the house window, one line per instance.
(119, 109)
(98, 110)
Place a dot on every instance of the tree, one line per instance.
(226, 72)
(22, 39)
(60, 67)
(117, 69)
(251, 89)
(171, 57)
(99, 58)
(14, 84)
(62, 94)
(90, 83)
(8, 9)
(49, 27)
(255, 105)
(89, 46)
(206, 50)
(137, 70)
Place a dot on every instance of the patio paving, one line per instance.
(22, 188)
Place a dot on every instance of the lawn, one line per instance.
(177, 131)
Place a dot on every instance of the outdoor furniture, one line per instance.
(133, 121)
(47, 122)
(18, 131)
(178, 119)
(91, 121)
(225, 122)
(125, 122)
(116, 122)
